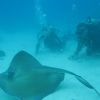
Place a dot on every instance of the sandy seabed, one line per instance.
(70, 88)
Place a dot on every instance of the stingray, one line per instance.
(27, 78)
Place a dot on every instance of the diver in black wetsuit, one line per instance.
(88, 36)
(50, 40)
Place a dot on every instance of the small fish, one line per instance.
(27, 78)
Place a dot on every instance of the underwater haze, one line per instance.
(21, 22)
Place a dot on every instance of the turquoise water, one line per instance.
(21, 15)
(20, 23)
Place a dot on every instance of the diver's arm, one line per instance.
(79, 48)
(77, 51)
(39, 44)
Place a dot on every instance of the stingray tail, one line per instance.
(86, 83)
(83, 81)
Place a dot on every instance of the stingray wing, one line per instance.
(22, 62)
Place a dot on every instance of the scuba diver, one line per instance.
(50, 40)
(48, 37)
(88, 36)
